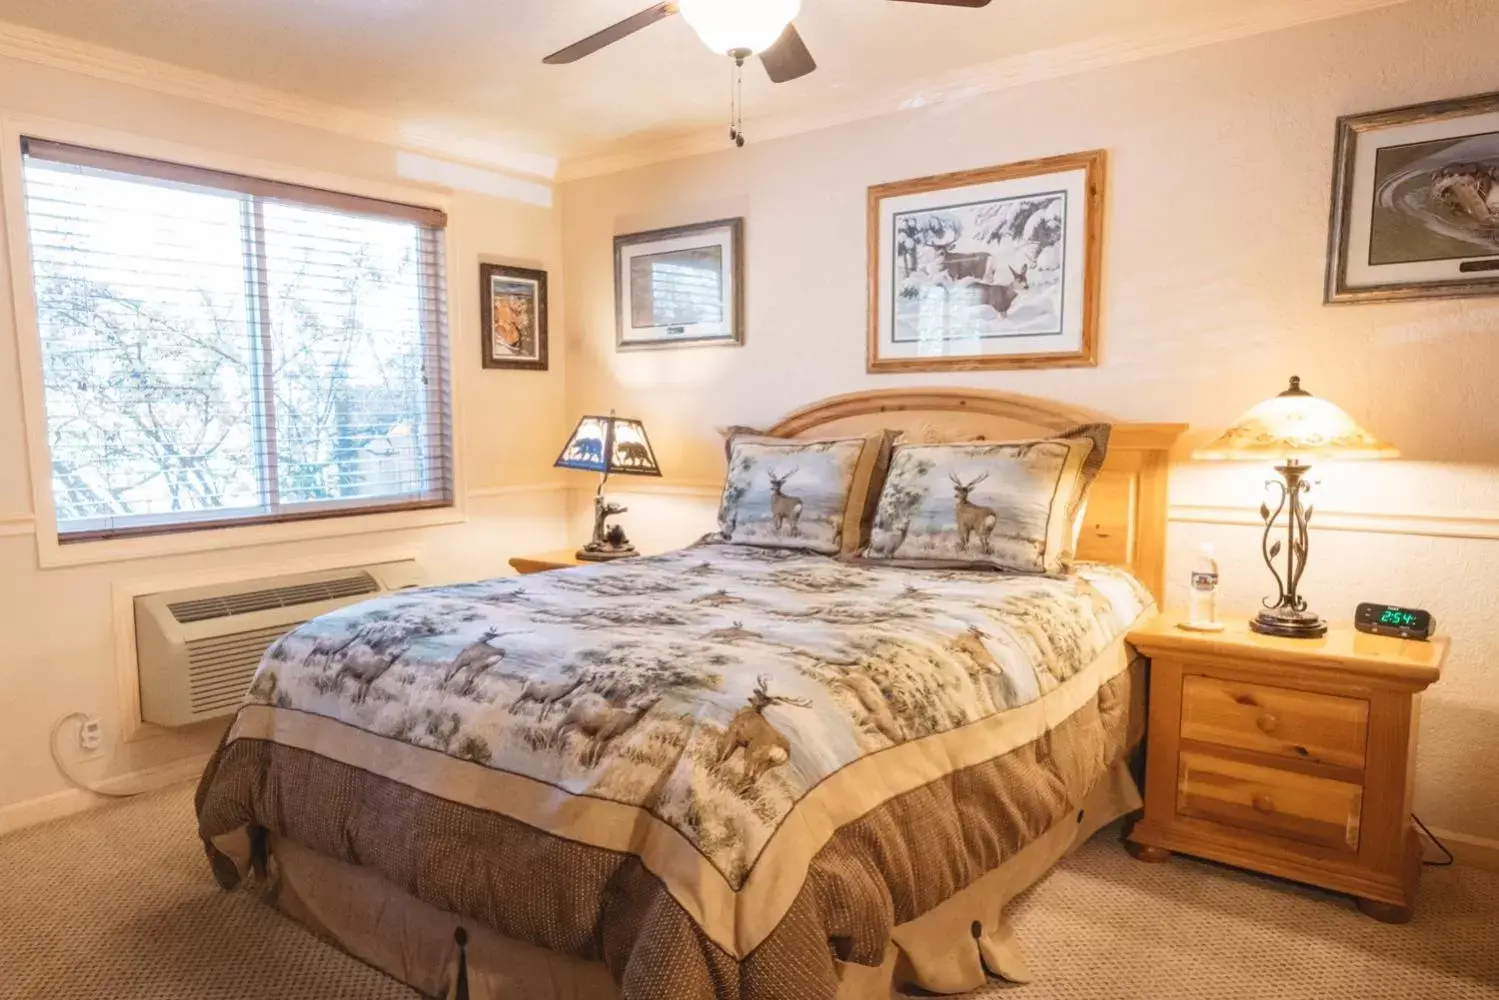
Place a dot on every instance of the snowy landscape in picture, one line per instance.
(980, 270)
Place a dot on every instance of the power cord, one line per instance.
(1436, 842)
(66, 771)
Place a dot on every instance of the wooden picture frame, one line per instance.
(954, 258)
(701, 292)
(513, 314)
(1415, 203)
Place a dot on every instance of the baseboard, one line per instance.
(71, 801)
(1474, 852)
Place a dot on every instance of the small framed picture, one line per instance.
(1415, 203)
(513, 310)
(680, 287)
(992, 268)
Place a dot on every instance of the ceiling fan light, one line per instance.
(733, 25)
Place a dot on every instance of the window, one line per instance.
(220, 349)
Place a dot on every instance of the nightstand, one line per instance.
(547, 561)
(1291, 757)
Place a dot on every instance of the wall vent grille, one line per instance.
(208, 608)
(220, 669)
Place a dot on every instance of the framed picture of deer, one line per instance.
(680, 287)
(513, 311)
(991, 268)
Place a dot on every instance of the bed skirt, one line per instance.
(946, 950)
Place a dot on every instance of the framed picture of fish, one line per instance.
(513, 310)
(991, 268)
(680, 287)
(1415, 203)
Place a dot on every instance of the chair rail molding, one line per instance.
(1476, 525)
(1482, 525)
(17, 525)
(517, 489)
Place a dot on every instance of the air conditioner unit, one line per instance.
(198, 649)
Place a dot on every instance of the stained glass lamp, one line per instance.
(1290, 430)
(609, 445)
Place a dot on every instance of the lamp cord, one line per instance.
(1447, 857)
(66, 771)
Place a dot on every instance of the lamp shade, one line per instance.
(733, 26)
(1295, 426)
(609, 445)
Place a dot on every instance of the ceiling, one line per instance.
(473, 67)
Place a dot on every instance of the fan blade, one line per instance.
(612, 34)
(788, 58)
(951, 3)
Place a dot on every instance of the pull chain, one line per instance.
(736, 102)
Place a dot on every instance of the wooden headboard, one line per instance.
(1125, 523)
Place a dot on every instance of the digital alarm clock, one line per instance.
(1387, 619)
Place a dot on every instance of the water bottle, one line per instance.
(1202, 609)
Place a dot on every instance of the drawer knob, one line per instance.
(1264, 803)
(1267, 722)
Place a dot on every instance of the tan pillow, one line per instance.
(794, 493)
(1009, 505)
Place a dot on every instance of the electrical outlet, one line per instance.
(90, 734)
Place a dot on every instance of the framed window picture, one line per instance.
(993, 268)
(513, 311)
(1415, 203)
(682, 286)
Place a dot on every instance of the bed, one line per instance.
(725, 771)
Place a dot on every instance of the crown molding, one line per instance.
(98, 61)
(1211, 28)
(476, 147)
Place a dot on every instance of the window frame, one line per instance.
(343, 520)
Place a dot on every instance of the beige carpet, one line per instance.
(119, 904)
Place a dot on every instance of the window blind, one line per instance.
(220, 349)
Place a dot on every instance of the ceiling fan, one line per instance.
(737, 28)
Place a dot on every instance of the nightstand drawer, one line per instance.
(1300, 725)
(1268, 800)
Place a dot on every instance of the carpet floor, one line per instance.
(118, 903)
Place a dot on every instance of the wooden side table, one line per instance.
(547, 561)
(1291, 757)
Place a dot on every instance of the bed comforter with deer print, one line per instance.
(743, 766)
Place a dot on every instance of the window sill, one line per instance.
(53, 554)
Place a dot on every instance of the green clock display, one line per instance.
(1389, 619)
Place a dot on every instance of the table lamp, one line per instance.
(1290, 429)
(609, 445)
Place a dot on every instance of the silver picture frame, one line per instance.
(1415, 203)
(680, 287)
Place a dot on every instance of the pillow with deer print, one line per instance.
(1007, 505)
(814, 495)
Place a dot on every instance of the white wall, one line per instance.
(56, 625)
(1220, 162)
